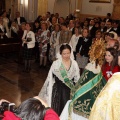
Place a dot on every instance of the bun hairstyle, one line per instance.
(63, 47)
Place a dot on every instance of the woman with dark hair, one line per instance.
(36, 28)
(110, 63)
(63, 74)
(65, 34)
(107, 104)
(31, 109)
(85, 91)
(85, 24)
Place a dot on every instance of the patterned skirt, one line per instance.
(82, 61)
(27, 53)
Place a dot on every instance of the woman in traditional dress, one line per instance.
(28, 45)
(110, 65)
(107, 104)
(91, 82)
(63, 74)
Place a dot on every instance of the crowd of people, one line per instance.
(85, 61)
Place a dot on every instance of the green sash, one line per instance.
(63, 72)
(85, 92)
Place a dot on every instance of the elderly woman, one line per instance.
(28, 45)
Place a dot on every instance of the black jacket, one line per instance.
(4, 36)
(22, 19)
(83, 46)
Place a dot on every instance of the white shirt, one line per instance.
(74, 41)
(18, 20)
(108, 30)
(2, 28)
(90, 27)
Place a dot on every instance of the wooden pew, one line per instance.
(9, 45)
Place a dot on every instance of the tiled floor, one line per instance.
(15, 85)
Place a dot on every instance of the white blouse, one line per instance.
(30, 34)
(74, 41)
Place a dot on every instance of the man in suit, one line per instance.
(71, 26)
(116, 26)
(108, 26)
(102, 26)
(92, 28)
(19, 19)
(108, 17)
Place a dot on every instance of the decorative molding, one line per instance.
(90, 16)
(100, 1)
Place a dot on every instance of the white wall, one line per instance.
(51, 6)
(96, 8)
(62, 7)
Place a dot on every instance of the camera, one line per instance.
(5, 106)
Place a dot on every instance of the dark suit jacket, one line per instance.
(4, 36)
(22, 19)
(13, 34)
(117, 30)
(92, 32)
(73, 31)
(84, 45)
(105, 30)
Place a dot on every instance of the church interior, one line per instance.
(16, 85)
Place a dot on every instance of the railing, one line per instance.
(9, 45)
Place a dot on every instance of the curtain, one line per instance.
(42, 7)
